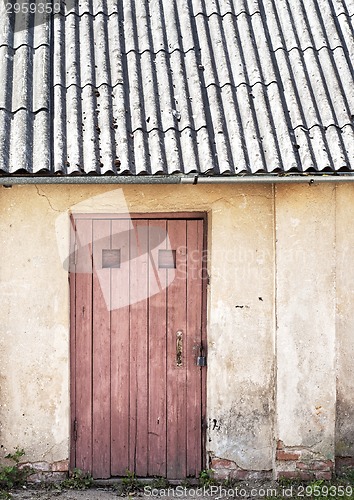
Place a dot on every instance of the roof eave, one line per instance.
(8, 181)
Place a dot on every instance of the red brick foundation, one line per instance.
(291, 463)
(301, 463)
(225, 470)
(45, 471)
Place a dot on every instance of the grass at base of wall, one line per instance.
(15, 476)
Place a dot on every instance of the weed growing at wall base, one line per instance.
(206, 478)
(13, 475)
(78, 480)
(130, 484)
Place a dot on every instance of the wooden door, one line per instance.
(137, 327)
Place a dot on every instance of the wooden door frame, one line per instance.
(72, 295)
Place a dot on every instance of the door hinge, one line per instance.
(75, 430)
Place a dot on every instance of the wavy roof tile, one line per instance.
(178, 86)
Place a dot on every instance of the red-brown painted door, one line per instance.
(137, 301)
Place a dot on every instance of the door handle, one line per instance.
(179, 347)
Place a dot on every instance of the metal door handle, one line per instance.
(179, 347)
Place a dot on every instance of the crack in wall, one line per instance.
(48, 200)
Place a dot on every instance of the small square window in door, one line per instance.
(111, 258)
(167, 259)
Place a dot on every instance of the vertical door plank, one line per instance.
(157, 352)
(83, 347)
(138, 349)
(101, 352)
(120, 350)
(194, 339)
(176, 375)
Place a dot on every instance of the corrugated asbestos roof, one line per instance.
(179, 86)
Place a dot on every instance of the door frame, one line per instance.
(72, 295)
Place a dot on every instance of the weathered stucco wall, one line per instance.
(241, 330)
(34, 329)
(272, 322)
(34, 357)
(305, 304)
(345, 322)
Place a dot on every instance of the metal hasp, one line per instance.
(201, 360)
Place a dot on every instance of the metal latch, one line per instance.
(201, 360)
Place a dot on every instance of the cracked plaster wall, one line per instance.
(259, 238)
(305, 302)
(344, 445)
